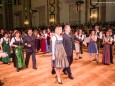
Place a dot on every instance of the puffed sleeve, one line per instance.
(53, 47)
(114, 38)
(1, 41)
(111, 39)
(12, 41)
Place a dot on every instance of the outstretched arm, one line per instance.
(77, 39)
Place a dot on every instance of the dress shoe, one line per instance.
(107, 64)
(90, 61)
(8, 63)
(17, 70)
(80, 57)
(65, 72)
(76, 59)
(60, 82)
(26, 66)
(35, 68)
(97, 60)
(70, 77)
(94, 60)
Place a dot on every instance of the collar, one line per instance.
(67, 33)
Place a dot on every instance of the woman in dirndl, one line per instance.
(5, 41)
(18, 59)
(92, 47)
(107, 42)
(59, 57)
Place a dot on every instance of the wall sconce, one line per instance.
(26, 22)
(93, 16)
(0, 5)
(52, 20)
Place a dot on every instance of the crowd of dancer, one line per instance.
(60, 42)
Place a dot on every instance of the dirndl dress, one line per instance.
(60, 55)
(77, 47)
(92, 47)
(6, 49)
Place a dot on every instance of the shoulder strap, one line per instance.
(56, 37)
(21, 39)
(4, 40)
(14, 39)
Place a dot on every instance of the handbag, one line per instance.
(53, 65)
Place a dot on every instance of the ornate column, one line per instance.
(53, 11)
(94, 11)
(27, 12)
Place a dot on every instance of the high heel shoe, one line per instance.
(58, 81)
(97, 61)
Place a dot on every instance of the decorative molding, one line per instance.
(52, 11)
(94, 7)
(94, 4)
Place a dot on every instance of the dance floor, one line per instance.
(84, 73)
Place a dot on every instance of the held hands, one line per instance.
(15, 46)
(29, 45)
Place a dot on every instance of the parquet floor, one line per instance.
(84, 73)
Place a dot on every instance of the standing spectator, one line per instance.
(107, 41)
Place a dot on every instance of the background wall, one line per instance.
(110, 11)
(66, 13)
(40, 6)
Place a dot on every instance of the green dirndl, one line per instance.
(6, 48)
(20, 62)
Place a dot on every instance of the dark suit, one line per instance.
(68, 43)
(30, 50)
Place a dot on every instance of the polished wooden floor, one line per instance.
(84, 73)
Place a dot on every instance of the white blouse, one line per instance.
(2, 39)
(94, 38)
(53, 44)
(108, 39)
(13, 40)
(81, 36)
